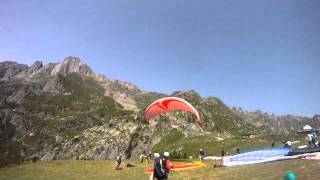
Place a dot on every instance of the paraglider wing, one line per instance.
(170, 104)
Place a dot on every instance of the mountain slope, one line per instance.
(65, 111)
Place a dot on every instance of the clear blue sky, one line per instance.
(253, 54)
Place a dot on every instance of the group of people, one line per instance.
(162, 166)
(287, 143)
(145, 157)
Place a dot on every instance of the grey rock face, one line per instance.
(71, 65)
(272, 124)
(9, 69)
(54, 85)
(35, 67)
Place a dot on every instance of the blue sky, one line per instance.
(253, 54)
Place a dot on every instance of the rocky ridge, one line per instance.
(65, 111)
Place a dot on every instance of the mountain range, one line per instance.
(66, 111)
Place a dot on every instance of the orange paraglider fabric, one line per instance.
(170, 104)
(181, 166)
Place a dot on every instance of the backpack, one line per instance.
(164, 165)
(159, 168)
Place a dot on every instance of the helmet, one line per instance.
(166, 154)
(156, 155)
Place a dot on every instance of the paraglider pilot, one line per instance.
(222, 156)
(238, 151)
(162, 166)
(273, 143)
(202, 154)
(118, 161)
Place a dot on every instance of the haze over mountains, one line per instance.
(65, 111)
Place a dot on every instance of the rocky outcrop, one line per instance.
(272, 124)
(71, 65)
(9, 69)
(12, 70)
(54, 84)
(106, 141)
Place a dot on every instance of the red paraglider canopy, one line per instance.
(170, 104)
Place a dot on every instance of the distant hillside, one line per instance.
(65, 111)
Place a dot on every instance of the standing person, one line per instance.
(238, 150)
(273, 143)
(314, 138)
(166, 164)
(222, 156)
(34, 158)
(142, 156)
(202, 154)
(146, 155)
(118, 161)
(309, 139)
(150, 156)
(158, 169)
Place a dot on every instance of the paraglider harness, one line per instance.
(160, 168)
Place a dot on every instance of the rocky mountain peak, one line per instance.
(9, 69)
(214, 100)
(316, 117)
(72, 65)
(35, 67)
(188, 93)
(12, 70)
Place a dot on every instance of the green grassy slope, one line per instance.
(78, 170)
(176, 142)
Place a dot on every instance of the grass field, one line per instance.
(191, 145)
(77, 169)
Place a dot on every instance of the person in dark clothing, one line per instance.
(166, 164)
(118, 161)
(159, 171)
(222, 152)
(34, 159)
(202, 154)
(238, 151)
(273, 143)
(149, 155)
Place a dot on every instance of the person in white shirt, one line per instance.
(309, 139)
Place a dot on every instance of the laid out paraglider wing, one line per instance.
(170, 104)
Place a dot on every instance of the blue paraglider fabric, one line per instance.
(258, 156)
